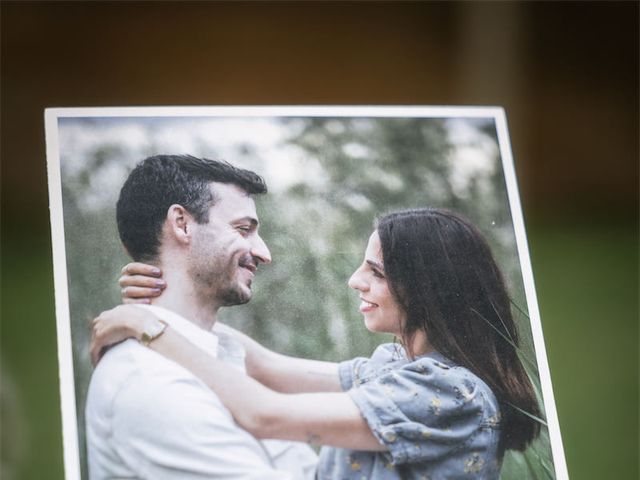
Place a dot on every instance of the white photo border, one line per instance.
(65, 356)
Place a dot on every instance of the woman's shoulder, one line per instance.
(430, 374)
(432, 368)
(435, 372)
(361, 370)
(426, 407)
(439, 367)
(388, 353)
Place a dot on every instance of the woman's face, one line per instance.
(381, 311)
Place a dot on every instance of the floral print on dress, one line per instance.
(437, 419)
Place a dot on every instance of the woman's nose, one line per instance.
(356, 281)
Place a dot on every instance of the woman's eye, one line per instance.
(377, 274)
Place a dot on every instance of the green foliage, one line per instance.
(316, 224)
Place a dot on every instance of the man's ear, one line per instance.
(180, 224)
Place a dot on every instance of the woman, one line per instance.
(446, 402)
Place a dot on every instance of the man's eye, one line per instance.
(244, 229)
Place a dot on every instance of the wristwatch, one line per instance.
(152, 330)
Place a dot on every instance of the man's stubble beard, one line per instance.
(215, 280)
(233, 296)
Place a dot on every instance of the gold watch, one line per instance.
(152, 330)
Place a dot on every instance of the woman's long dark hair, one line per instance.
(441, 271)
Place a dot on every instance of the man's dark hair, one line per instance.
(160, 181)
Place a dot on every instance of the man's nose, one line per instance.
(260, 250)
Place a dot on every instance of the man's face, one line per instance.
(226, 251)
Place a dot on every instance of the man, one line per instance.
(147, 417)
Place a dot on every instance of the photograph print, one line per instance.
(295, 293)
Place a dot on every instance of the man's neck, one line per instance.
(180, 297)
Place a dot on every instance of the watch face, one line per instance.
(153, 329)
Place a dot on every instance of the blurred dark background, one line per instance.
(566, 73)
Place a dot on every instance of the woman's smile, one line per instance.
(381, 311)
(366, 306)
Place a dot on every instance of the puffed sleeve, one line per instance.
(357, 371)
(349, 372)
(422, 410)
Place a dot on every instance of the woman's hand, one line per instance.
(115, 325)
(140, 283)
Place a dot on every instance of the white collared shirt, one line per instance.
(149, 418)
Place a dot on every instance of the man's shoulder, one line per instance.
(136, 394)
(131, 370)
(117, 369)
(131, 374)
(121, 361)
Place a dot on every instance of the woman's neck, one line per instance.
(418, 344)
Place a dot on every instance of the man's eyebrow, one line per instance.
(252, 220)
(375, 265)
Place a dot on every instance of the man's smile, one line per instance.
(250, 267)
(248, 263)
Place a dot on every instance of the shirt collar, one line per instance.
(200, 337)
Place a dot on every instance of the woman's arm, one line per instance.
(321, 418)
(283, 373)
(141, 282)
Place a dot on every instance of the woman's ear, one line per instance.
(179, 223)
